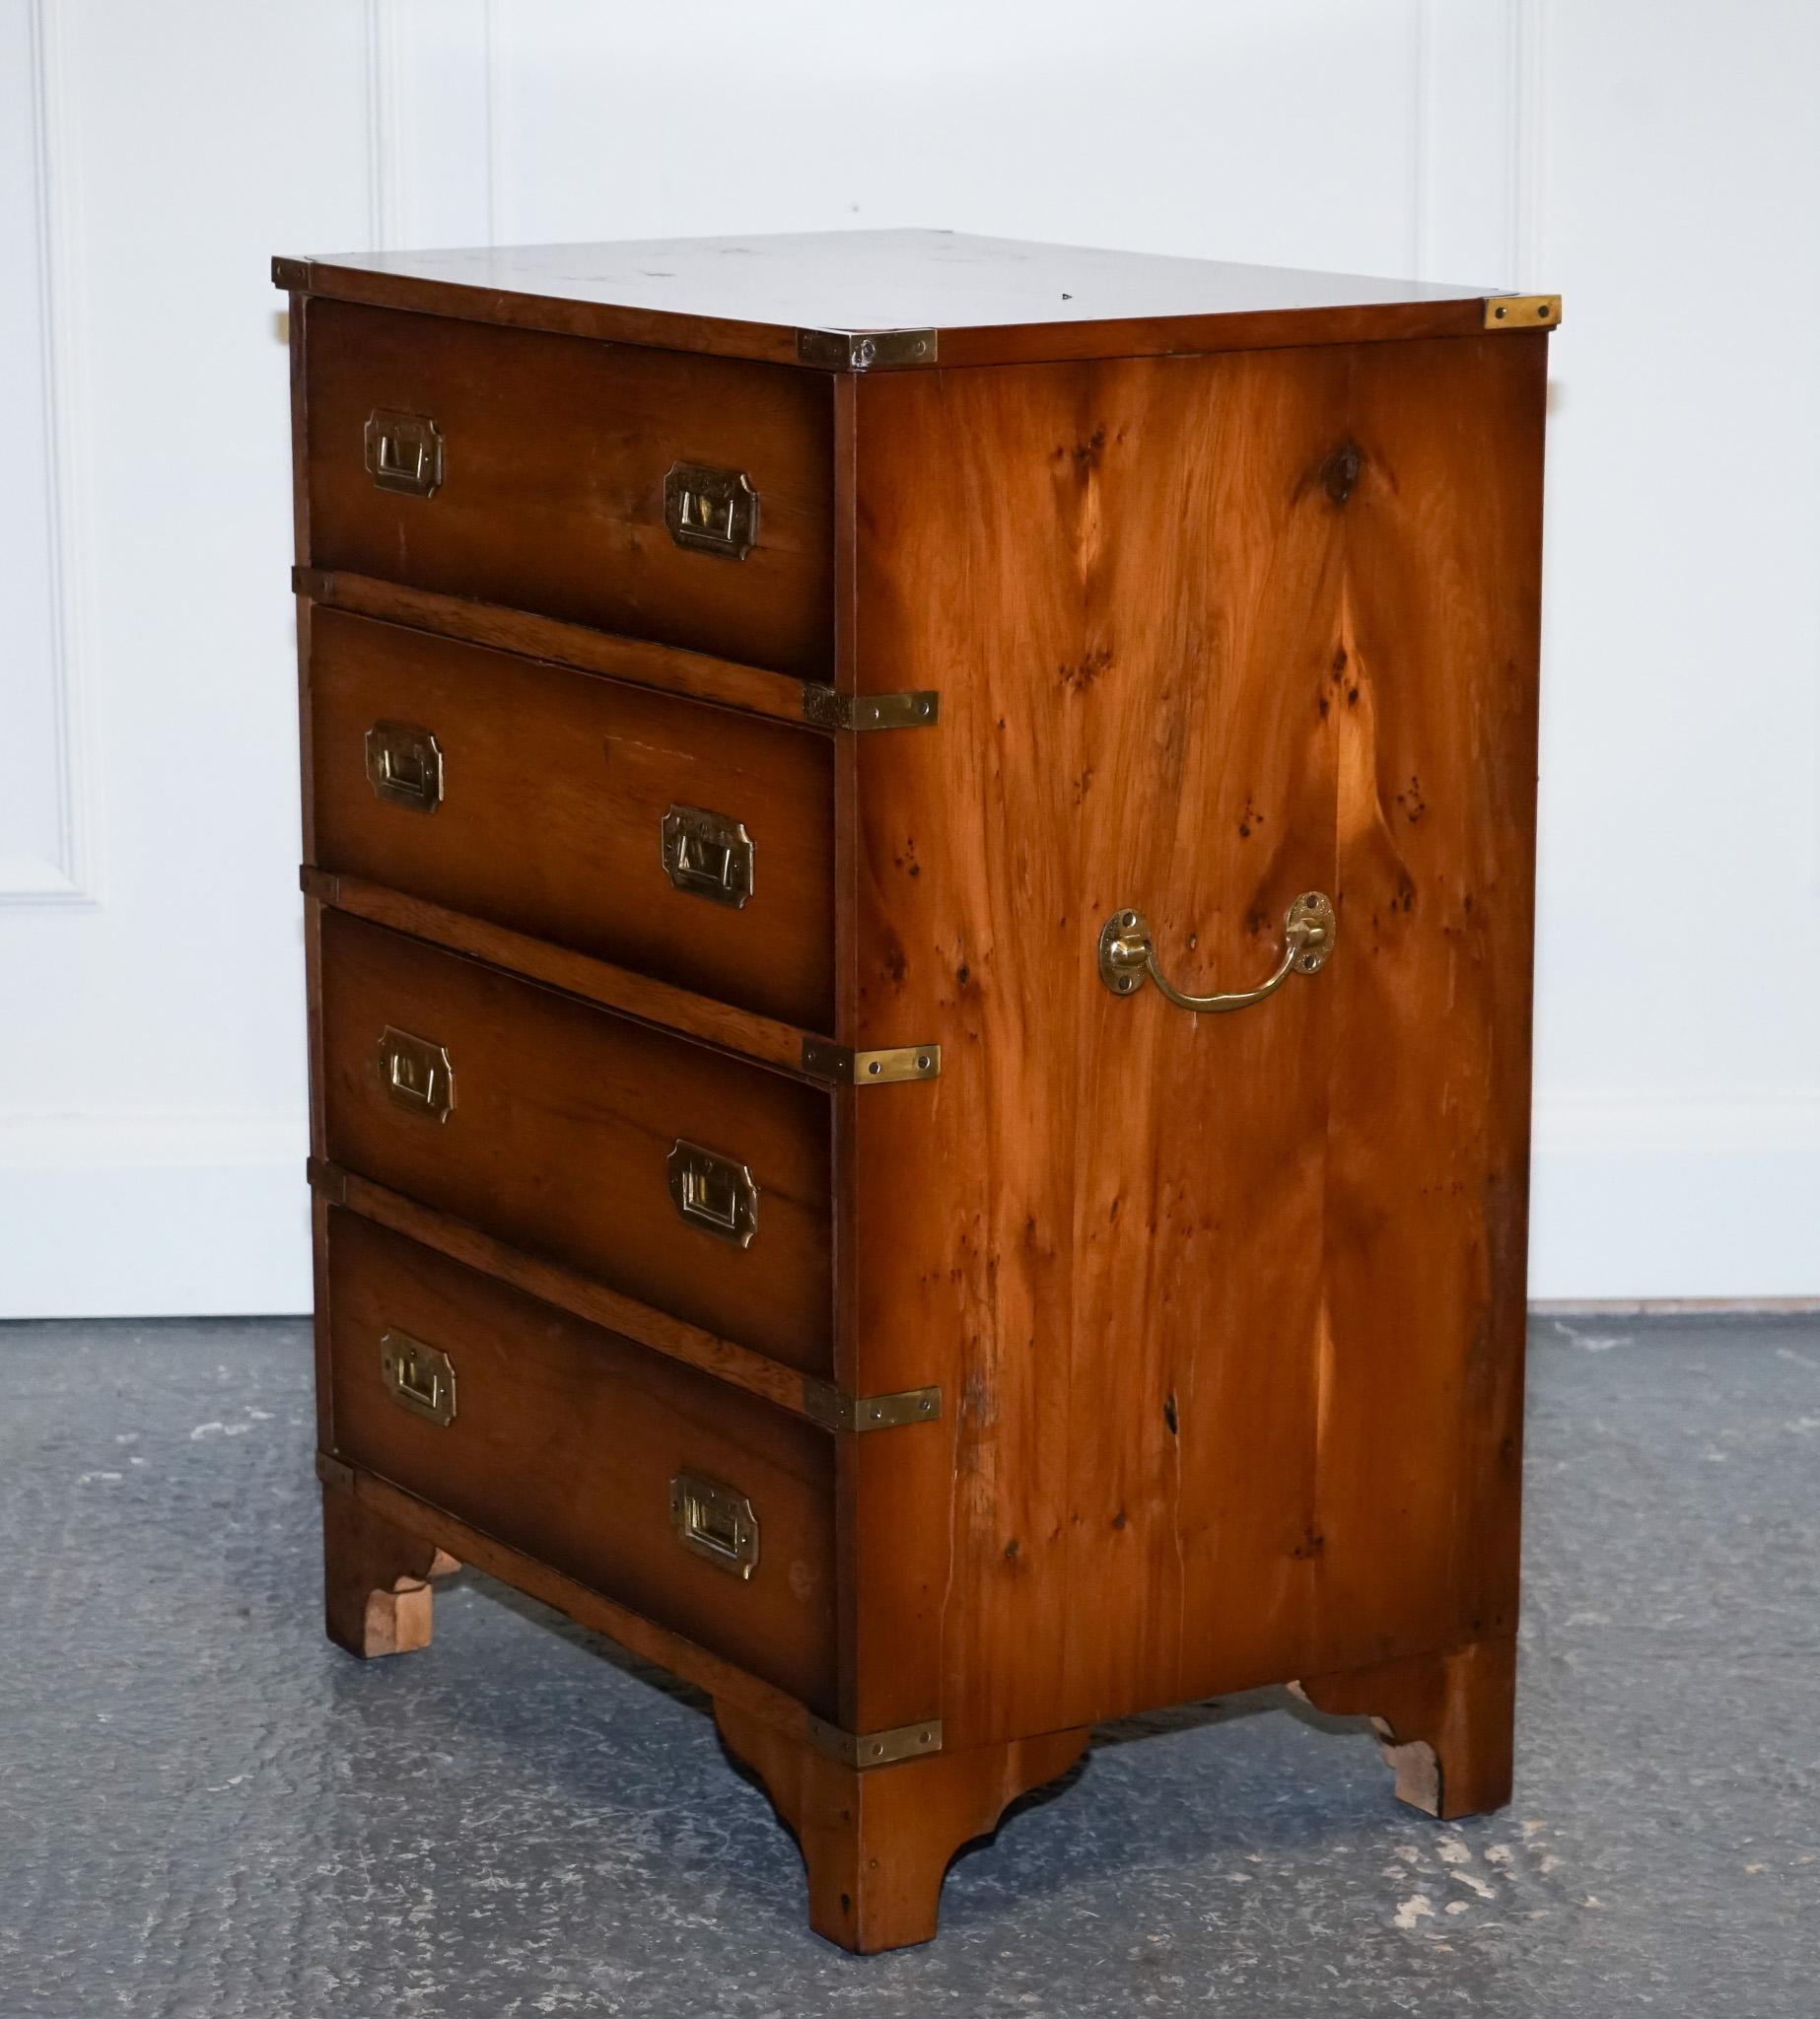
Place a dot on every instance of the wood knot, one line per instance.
(1340, 472)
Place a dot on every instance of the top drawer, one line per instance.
(520, 468)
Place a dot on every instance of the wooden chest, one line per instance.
(919, 858)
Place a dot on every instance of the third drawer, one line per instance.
(686, 1179)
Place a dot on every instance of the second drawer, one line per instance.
(688, 842)
(686, 1179)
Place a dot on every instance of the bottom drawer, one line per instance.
(705, 1509)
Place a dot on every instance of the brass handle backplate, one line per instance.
(1128, 958)
(713, 510)
(707, 855)
(404, 766)
(716, 1194)
(416, 1074)
(418, 1377)
(715, 1521)
(404, 453)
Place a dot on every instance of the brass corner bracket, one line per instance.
(833, 1411)
(845, 1068)
(864, 1749)
(1521, 311)
(865, 350)
(919, 708)
(290, 274)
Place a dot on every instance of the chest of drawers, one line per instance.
(919, 862)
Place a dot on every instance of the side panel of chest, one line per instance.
(1231, 1304)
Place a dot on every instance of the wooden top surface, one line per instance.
(986, 300)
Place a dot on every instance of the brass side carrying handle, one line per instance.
(404, 453)
(1128, 958)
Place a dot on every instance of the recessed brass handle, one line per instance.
(707, 855)
(715, 1521)
(416, 1074)
(404, 453)
(713, 510)
(716, 1194)
(404, 766)
(418, 1377)
(1127, 957)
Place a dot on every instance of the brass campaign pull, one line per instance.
(707, 855)
(715, 1521)
(404, 453)
(404, 766)
(418, 1377)
(716, 1194)
(713, 510)
(1127, 956)
(416, 1074)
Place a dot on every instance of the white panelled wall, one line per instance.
(1654, 163)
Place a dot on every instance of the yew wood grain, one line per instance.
(877, 1846)
(296, 321)
(564, 1442)
(725, 1680)
(1188, 1456)
(1446, 1722)
(297, 324)
(556, 452)
(695, 676)
(1124, 732)
(555, 788)
(376, 1585)
(925, 1493)
(699, 1017)
(738, 1366)
(563, 1119)
(320, 1293)
(1427, 1164)
(987, 301)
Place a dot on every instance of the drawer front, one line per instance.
(554, 1126)
(526, 469)
(690, 843)
(564, 1441)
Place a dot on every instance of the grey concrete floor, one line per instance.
(206, 1811)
